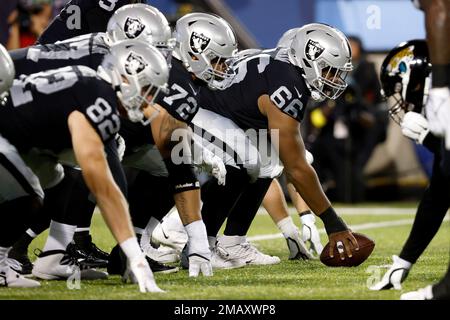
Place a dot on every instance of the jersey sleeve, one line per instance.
(286, 89)
(181, 101)
(99, 106)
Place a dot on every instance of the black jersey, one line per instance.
(268, 72)
(135, 135)
(80, 17)
(39, 105)
(181, 101)
(87, 50)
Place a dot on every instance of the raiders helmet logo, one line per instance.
(135, 64)
(133, 28)
(313, 50)
(198, 42)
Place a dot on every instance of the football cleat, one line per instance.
(170, 232)
(21, 268)
(394, 277)
(248, 253)
(421, 294)
(58, 265)
(11, 279)
(220, 260)
(85, 257)
(117, 263)
(162, 254)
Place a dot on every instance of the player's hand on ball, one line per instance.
(344, 241)
(138, 271)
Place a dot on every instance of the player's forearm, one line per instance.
(437, 17)
(307, 184)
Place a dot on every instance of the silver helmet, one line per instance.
(205, 42)
(138, 72)
(141, 22)
(287, 38)
(324, 54)
(7, 72)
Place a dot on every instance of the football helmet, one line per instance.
(138, 72)
(141, 22)
(7, 72)
(406, 78)
(204, 43)
(287, 38)
(325, 56)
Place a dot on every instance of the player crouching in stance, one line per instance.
(75, 107)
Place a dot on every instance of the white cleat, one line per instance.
(170, 232)
(421, 294)
(249, 254)
(58, 265)
(394, 277)
(220, 260)
(11, 279)
(162, 255)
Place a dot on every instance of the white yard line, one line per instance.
(363, 211)
(356, 227)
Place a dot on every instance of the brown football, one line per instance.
(366, 246)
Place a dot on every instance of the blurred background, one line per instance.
(360, 154)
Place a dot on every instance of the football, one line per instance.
(366, 246)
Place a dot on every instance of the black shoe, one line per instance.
(19, 252)
(85, 258)
(83, 240)
(117, 263)
(160, 267)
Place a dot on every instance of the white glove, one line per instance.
(138, 271)
(120, 146)
(437, 111)
(394, 277)
(310, 233)
(415, 126)
(199, 264)
(309, 157)
(215, 166)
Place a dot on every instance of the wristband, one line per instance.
(332, 222)
(440, 77)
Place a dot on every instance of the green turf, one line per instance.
(288, 280)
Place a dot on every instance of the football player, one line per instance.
(406, 80)
(270, 91)
(80, 17)
(151, 27)
(204, 43)
(59, 109)
(437, 23)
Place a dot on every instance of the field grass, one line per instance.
(288, 280)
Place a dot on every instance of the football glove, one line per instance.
(437, 111)
(310, 234)
(199, 264)
(120, 146)
(215, 166)
(297, 248)
(415, 126)
(207, 161)
(309, 157)
(138, 271)
(421, 294)
(394, 277)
